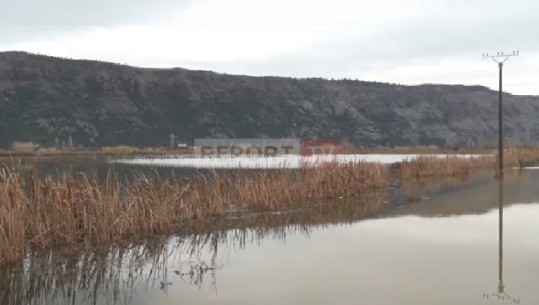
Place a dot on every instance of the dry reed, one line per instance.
(430, 166)
(117, 272)
(521, 157)
(455, 165)
(75, 210)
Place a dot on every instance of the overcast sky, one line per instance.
(401, 41)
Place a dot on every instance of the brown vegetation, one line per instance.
(521, 157)
(431, 166)
(458, 165)
(418, 149)
(134, 267)
(74, 210)
(27, 150)
(79, 210)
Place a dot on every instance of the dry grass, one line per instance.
(80, 210)
(119, 150)
(430, 149)
(194, 256)
(278, 189)
(433, 167)
(521, 157)
(75, 210)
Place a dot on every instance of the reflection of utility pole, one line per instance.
(500, 236)
(500, 59)
(501, 295)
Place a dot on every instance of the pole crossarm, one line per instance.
(501, 57)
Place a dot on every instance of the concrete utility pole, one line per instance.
(500, 58)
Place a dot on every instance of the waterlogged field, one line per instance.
(444, 249)
(284, 161)
(373, 229)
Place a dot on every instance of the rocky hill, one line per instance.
(98, 103)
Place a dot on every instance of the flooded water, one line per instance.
(99, 167)
(176, 167)
(281, 161)
(461, 243)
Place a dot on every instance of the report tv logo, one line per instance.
(309, 147)
(266, 147)
(246, 147)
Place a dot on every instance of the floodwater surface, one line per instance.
(468, 243)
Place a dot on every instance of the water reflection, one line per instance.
(477, 195)
(501, 294)
(117, 274)
(105, 276)
(97, 167)
(439, 251)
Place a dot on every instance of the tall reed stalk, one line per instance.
(78, 210)
(432, 167)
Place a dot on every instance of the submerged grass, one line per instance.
(429, 166)
(521, 157)
(79, 210)
(116, 273)
(458, 165)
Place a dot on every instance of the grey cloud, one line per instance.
(26, 20)
(410, 43)
(416, 41)
(86, 13)
(451, 29)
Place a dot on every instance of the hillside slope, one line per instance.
(99, 103)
